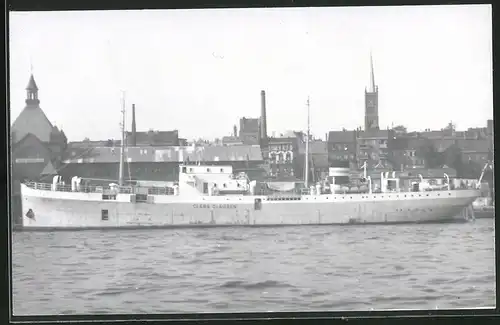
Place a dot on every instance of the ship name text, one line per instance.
(214, 206)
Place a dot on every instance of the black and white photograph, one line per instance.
(252, 160)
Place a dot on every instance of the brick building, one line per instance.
(233, 139)
(249, 131)
(150, 138)
(283, 157)
(373, 147)
(318, 160)
(404, 152)
(342, 145)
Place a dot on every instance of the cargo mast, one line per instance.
(306, 169)
(122, 150)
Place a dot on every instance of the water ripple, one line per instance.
(254, 269)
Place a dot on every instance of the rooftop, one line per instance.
(164, 154)
(342, 136)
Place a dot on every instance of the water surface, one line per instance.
(255, 269)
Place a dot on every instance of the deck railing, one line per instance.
(170, 191)
(101, 189)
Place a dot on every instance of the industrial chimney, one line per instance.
(263, 116)
(134, 139)
(235, 131)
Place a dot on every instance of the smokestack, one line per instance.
(263, 116)
(235, 131)
(134, 139)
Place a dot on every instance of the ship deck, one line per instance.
(169, 191)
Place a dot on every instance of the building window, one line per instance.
(104, 215)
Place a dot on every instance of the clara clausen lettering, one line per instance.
(214, 206)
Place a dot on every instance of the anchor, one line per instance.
(30, 214)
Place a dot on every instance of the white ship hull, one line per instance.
(70, 210)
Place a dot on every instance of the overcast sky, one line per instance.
(199, 71)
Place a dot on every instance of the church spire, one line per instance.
(371, 101)
(32, 92)
(134, 131)
(373, 87)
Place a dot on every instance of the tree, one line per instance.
(427, 151)
(450, 127)
(452, 157)
(471, 170)
(401, 129)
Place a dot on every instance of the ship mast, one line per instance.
(306, 176)
(122, 150)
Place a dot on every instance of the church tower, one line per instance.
(371, 102)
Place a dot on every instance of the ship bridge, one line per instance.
(211, 180)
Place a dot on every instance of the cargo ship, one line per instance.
(213, 196)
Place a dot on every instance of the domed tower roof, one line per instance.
(32, 119)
